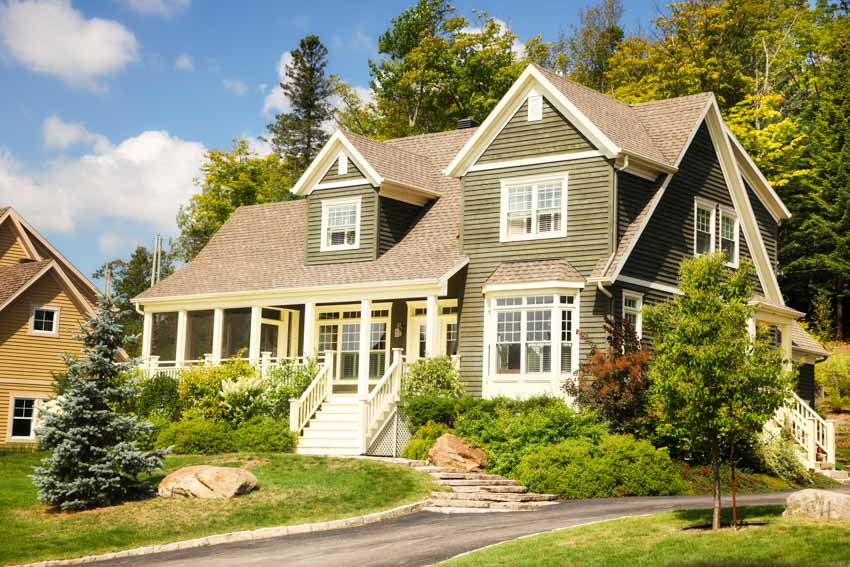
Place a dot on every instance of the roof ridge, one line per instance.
(648, 102)
(431, 134)
(384, 143)
(584, 87)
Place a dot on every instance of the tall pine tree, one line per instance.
(299, 134)
(95, 459)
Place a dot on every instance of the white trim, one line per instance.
(551, 285)
(325, 246)
(730, 212)
(636, 311)
(760, 184)
(55, 309)
(414, 321)
(341, 184)
(705, 204)
(508, 183)
(444, 279)
(530, 79)
(555, 158)
(38, 400)
(673, 290)
(325, 159)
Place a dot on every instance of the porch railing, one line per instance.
(302, 409)
(153, 366)
(810, 430)
(380, 401)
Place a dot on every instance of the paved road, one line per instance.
(424, 538)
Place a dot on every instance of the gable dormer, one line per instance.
(13, 250)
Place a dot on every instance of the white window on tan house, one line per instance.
(632, 311)
(24, 416)
(729, 233)
(704, 224)
(45, 321)
(534, 208)
(340, 224)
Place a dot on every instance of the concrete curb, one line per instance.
(248, 535)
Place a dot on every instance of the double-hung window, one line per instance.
(729, 236)
(340, 224)
(534, 208)
(24, 416)
(45, 321)
(632, 311)
(704, 224)
(528, 331)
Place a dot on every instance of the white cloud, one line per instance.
(112, 242)
(60, 135)
(517, 47)
(49, 36)
(184, 62)
(258, 146)
(158, 7)
(235, 86)
(276, 102)
(142, 179)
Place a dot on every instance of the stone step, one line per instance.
(442, 502)
(466, 475)
(465, 482)
(517, 489)
(433, 469)
(494, 497)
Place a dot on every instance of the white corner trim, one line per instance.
(650, 285)
(444, 279)
(341, 184)
(538, 160)
(325, 246)
(770, 198)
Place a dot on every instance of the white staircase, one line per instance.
(813, 434)
(334, 430)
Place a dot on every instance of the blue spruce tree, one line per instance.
(95, 460)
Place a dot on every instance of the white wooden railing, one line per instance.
(380, 401)
(302, 409)
(810, 430)
(153, 366)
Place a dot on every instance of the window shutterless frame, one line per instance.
(705, 213)
(633, 311)
(44, 320)
(730, 235)
(338, 212)
(535, 198)
(23, 418)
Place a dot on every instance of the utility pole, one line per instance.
(156, 260)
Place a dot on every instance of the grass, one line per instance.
(660, 540)
(700, 481)
(293, 489)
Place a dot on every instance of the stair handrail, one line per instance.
(809, 429)
(382, 397)
(302, 409)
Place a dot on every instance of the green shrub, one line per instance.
(430, 407)
(619, 465)
(286, 382)
(200, 386)
(432, 376)
(264, 434)
(833, 375)
(509, 429)
(780, 457)
(196, 434)
(158, 396)
(422, 441)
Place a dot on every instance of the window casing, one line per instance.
(44, 321)
(340, 224)
(729, 236)
(338, 330)
(704, 227)
(633, 311)
(533, 208)
(24, 417)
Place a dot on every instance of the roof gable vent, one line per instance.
(465, 123)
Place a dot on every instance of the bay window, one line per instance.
(534, 208)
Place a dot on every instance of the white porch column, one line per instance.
(309, 329)
(786, 342)
(147, 335)
(180, 347)
(365, 343)
(431, 325)
(218, 334)
(254, 340)
(294, 319)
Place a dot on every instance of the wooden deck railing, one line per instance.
(153, 366)
(302, 409)
(810, 430)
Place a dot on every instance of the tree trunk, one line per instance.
(715, 465)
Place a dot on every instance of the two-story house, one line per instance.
(43, 300)
(494, 244)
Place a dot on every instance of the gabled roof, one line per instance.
(534, 271)
(394, 164)
(671, 122)
(17, 277)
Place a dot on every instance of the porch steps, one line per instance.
(334, 429)
(475, 493)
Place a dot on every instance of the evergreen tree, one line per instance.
(298, 135)
(95, 460)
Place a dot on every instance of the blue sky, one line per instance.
(107, 106)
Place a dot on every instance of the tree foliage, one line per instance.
(95, 459)
(712, 383)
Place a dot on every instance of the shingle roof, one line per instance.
(16, 276)
(395, 163)
(801, 340)
(670, 122)
(534, 271)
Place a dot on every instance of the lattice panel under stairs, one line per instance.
(395, 434)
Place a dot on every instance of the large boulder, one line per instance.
(204, 481)
(821, 504)
(452, 451)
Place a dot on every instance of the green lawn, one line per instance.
(660, 540)
(700, 480)
(292, 490)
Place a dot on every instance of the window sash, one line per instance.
(534, 209)
(24, 412)
(729, 237)
(44, 320)
(341, 226)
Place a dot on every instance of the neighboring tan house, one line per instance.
(494, 244)
(43, 299)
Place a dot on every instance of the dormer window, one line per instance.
(729, 236)
(703, 227)
(340, 224)
(534, 208)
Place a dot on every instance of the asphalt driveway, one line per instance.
(425, 537)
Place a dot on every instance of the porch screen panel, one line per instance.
(237, 332)
(164, 336)
(199, 334)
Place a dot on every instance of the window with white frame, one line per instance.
(339, 332)
(703, 228)
(534, 208)
(45, 320)
(340, 224)
(528, 331)
(729, 235)
(24, 416)
(633, 311)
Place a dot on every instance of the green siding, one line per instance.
(669, 234)
(806, 383)
(368, 226)
(353, 173)
(633, 193)
(650, 297)
(521, 138)
(395, 219)
(588, 198)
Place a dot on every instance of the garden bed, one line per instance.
(292, 489)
